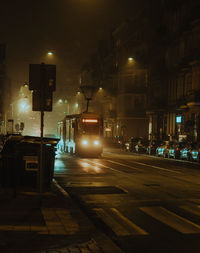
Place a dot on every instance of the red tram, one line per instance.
(81, 134)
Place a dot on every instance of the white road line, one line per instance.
(99, 164)
(125, 165)
(192, 209)
(133, 228)
(144, 164)
(157, 167)
(113, 221)
(113, 224)
(171, 219)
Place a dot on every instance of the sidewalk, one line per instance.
(49, 222)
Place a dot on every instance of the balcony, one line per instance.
(193, 98)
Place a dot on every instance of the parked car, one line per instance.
(195, 152)
(141, 146)
(152, 146)
(185, 152)
(162, 150)
(175, 148)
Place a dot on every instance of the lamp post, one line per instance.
(88, 92)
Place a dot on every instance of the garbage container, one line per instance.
(21, 162)
(9, 162)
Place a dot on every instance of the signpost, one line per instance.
(42, 81)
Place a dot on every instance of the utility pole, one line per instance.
(42, 81)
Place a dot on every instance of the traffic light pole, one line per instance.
(41, 154)
(42, 81)
(42, 94)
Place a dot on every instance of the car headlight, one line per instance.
(84, 142)
(96, 142)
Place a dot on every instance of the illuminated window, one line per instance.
(179, 119)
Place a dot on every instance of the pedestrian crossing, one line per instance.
(123, 226)
(171, 219)
(59, 221)
(119, 223)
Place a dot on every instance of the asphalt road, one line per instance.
(143, 203)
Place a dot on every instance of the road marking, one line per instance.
(171, 219)
(125, 165)
(108, 167)
(192, 209)
(157, 167)
(113, 220)
(114, 225)
(133, 228)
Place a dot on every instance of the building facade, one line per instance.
(150, 67)
(183, 64)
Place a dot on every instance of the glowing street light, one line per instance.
(50, 53)
(24, 106)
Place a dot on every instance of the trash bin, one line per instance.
(21, 162)
(9, 162)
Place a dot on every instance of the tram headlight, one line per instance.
(84, 142)
(96, 143)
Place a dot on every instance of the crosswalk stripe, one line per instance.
(114, 225)
(171, 219)
(113, 219)
(192, 209)
(133, 228)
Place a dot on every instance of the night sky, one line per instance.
(71, 28)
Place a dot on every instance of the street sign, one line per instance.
(39, 103)
(42, 76)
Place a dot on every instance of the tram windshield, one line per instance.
(90, 127)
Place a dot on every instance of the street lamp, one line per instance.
(130, 59)
(88, 92)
